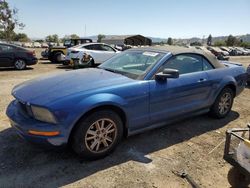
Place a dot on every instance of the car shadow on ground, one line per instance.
(45, 62)
(67, 67)
(13, 69)
(23, 164)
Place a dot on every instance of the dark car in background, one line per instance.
(16, 56)
(220, 55)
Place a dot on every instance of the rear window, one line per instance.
(6, 48)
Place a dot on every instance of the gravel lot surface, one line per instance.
(144, 160)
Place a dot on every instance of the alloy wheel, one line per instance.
(20, 64)
(225, 103)
(101, 135)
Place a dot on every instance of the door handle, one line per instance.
(202, 79)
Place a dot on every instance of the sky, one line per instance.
(155, 18)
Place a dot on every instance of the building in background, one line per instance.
(133, 40)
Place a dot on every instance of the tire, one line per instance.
(92, 63)
(56, 57)
(223, 103)
(97, 135)
(50, 57)
(20, 64)
(237, 179)
(76, 65)
(248, 83)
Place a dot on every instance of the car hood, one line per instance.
(47, 89)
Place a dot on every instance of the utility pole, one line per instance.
(203, 39)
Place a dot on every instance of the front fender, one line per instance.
(95, 101)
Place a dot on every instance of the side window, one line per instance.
(185, 63)
(107, 48)
(5, 48)
(73, 43)
(207, 65)
(96, 47)
(85, 41)
(78, 42)
(88, 47)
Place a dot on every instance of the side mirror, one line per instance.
(167, 73)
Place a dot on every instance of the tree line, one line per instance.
(9, 21)
(230, 41)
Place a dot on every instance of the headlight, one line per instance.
(43, 114)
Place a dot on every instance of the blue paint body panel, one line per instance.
(145, 103)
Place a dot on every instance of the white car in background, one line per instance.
(27, 45)
(44, 45)
(36, 45)
(89, 54)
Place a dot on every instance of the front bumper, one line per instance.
(23, 124)
(77, 63)
(32, 61)
(66, 62)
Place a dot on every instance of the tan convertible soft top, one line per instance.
(182, 50)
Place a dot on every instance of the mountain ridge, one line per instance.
(245, 38)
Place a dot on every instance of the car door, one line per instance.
(96, 52)
(101, 53)
(6, 55)
(179, 96)
(108, 51)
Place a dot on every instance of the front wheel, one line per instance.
(57, 57)
(223, 103)
(97, 135)
(20, 64)
(92, 63)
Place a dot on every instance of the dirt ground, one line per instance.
(144, 160)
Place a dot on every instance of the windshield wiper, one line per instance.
(110, 70)
(114, 71)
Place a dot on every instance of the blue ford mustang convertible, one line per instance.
(139, 89)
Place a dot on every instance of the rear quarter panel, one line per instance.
(230, 75)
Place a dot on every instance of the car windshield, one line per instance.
(67, 42)
(133, 64)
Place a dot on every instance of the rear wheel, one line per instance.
(223, 103)
(20, 64)
(97, 135)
